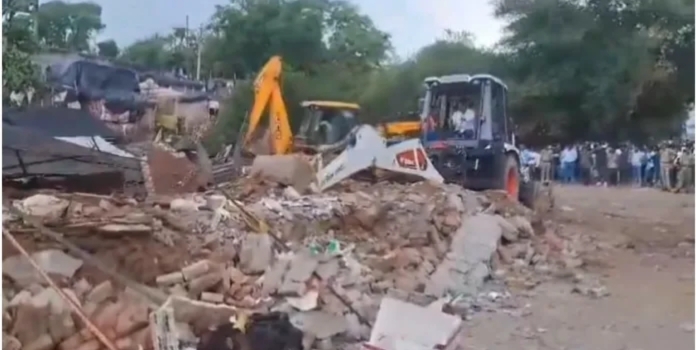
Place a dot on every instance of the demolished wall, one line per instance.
(358, 243)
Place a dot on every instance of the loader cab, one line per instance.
(326, 122)
(484, 157)
(485, 94)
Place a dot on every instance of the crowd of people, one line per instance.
(669, 165)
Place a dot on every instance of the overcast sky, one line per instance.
(412, 23)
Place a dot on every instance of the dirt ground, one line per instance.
(641, 250)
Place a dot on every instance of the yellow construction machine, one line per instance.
(332, 127)
(324, 126)
(324, 122)
(401, 129)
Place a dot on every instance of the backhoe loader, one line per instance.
(331, 127)
(324, 122)
(324, 125)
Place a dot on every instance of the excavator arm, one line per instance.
(267, 91)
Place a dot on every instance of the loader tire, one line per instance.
(510, 176)
(538, 197)
(529, 194)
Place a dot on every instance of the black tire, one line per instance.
(529, 191)
(538, 197)
(509, 176)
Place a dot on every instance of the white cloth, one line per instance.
(469, 115)
(469, 120)
(457, 120)
(569, 155)
(637, 158)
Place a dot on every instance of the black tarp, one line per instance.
(59, 122)
(89, 80)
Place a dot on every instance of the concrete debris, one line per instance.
(392, 251)
(292, 170)
(52, 261)
(320, 324)
(256, 253)
(592, 290)
(181, 204)
(467, 264)
(395, 327)
(47, 207)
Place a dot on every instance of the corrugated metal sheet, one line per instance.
(28, 153)
(96, 143)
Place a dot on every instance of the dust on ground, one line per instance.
(642, 252)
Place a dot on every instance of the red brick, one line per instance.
(72, 342)
(106, 318)
(93, 344)
(133, 317)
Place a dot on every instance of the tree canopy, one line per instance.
(577, 69)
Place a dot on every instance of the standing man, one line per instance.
(685, 172)
(612, 166)
(667, 158)
(637, 156)
(600, 159)
(585, 165)
(546, 163)
(569, 156)
(650, 168)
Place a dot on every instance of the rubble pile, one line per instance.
(342, 253)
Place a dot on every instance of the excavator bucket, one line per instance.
(368, 149)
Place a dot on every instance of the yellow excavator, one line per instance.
(324, 122)
(332, 127)
(324, 126)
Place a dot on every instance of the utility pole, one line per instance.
(187, 57)
(199, 49)
(35, 15)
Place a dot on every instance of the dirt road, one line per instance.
(639, 244)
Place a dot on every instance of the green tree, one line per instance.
(19, 73)
(150, 52)
(68, 26)
(396, 89)
(108, 48)
(596, 68)
(177, 50)
(248, 32)
(329, 50)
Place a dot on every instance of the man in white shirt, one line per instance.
(464, 122)
(637, 156)
(470, 119)
(569, 157)
(457, 119)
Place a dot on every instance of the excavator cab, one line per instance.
(325, 123)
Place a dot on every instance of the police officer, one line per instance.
(667, 158)
(546, 164)
(685, 172)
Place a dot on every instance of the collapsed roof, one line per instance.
(27, 152)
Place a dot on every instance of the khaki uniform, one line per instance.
(686, 164)
(546, 160)
(667, 158)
